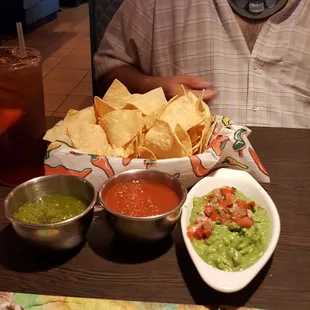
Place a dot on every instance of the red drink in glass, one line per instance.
(22, 117)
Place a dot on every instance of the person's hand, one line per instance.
(137, 82)
(194, 84)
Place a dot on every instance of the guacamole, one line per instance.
(228, 230)
(50, 209)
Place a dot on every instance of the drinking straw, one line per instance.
(21, 40)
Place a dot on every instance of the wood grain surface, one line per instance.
(104, 267)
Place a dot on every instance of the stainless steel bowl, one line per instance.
(144, 228)
(59, 236)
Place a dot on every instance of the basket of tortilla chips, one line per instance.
(125, 131)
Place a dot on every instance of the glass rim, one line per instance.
(37, 55)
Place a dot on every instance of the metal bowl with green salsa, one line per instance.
(228, 230)
(50, 209)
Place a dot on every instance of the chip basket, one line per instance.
(229, 147)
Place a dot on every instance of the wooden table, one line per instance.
(106, 268)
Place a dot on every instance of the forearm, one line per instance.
(135, 81)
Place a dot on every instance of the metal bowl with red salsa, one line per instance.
(142, 205)
(143, 198)
(228, 230)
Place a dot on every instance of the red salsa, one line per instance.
(141, 198)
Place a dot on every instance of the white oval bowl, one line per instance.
(231, 281)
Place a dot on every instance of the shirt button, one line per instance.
(258, 65)
(255, 108)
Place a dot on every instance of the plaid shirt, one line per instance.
(268, 87)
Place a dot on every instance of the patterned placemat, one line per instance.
(17, 301)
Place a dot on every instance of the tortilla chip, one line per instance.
(207, 133)
(213, 124)
(183, 111)
(120, 152)
(147, 102)
(71, 112)
(184, 139)
(173, 99)
(85, 116)
(195, 148)
(192, 97)
(145, 153)
(115, 94)
(182, 92)
(141, 137)
(59, 131)
(130, 149)
(101, 108)
(202, 106)
(195, 132)
(151, 118)
(54, 133)
(55, 144)
(121, 126)
(89, 138)
(163, 142)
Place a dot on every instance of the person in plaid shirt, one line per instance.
(256, 71)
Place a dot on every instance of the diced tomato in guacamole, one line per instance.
(222, 206)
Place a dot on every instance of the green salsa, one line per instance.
(228, 230)
(50, 209)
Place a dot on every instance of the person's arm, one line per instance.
(126, 47)
(125, 54)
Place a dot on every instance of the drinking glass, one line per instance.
(22, 116)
